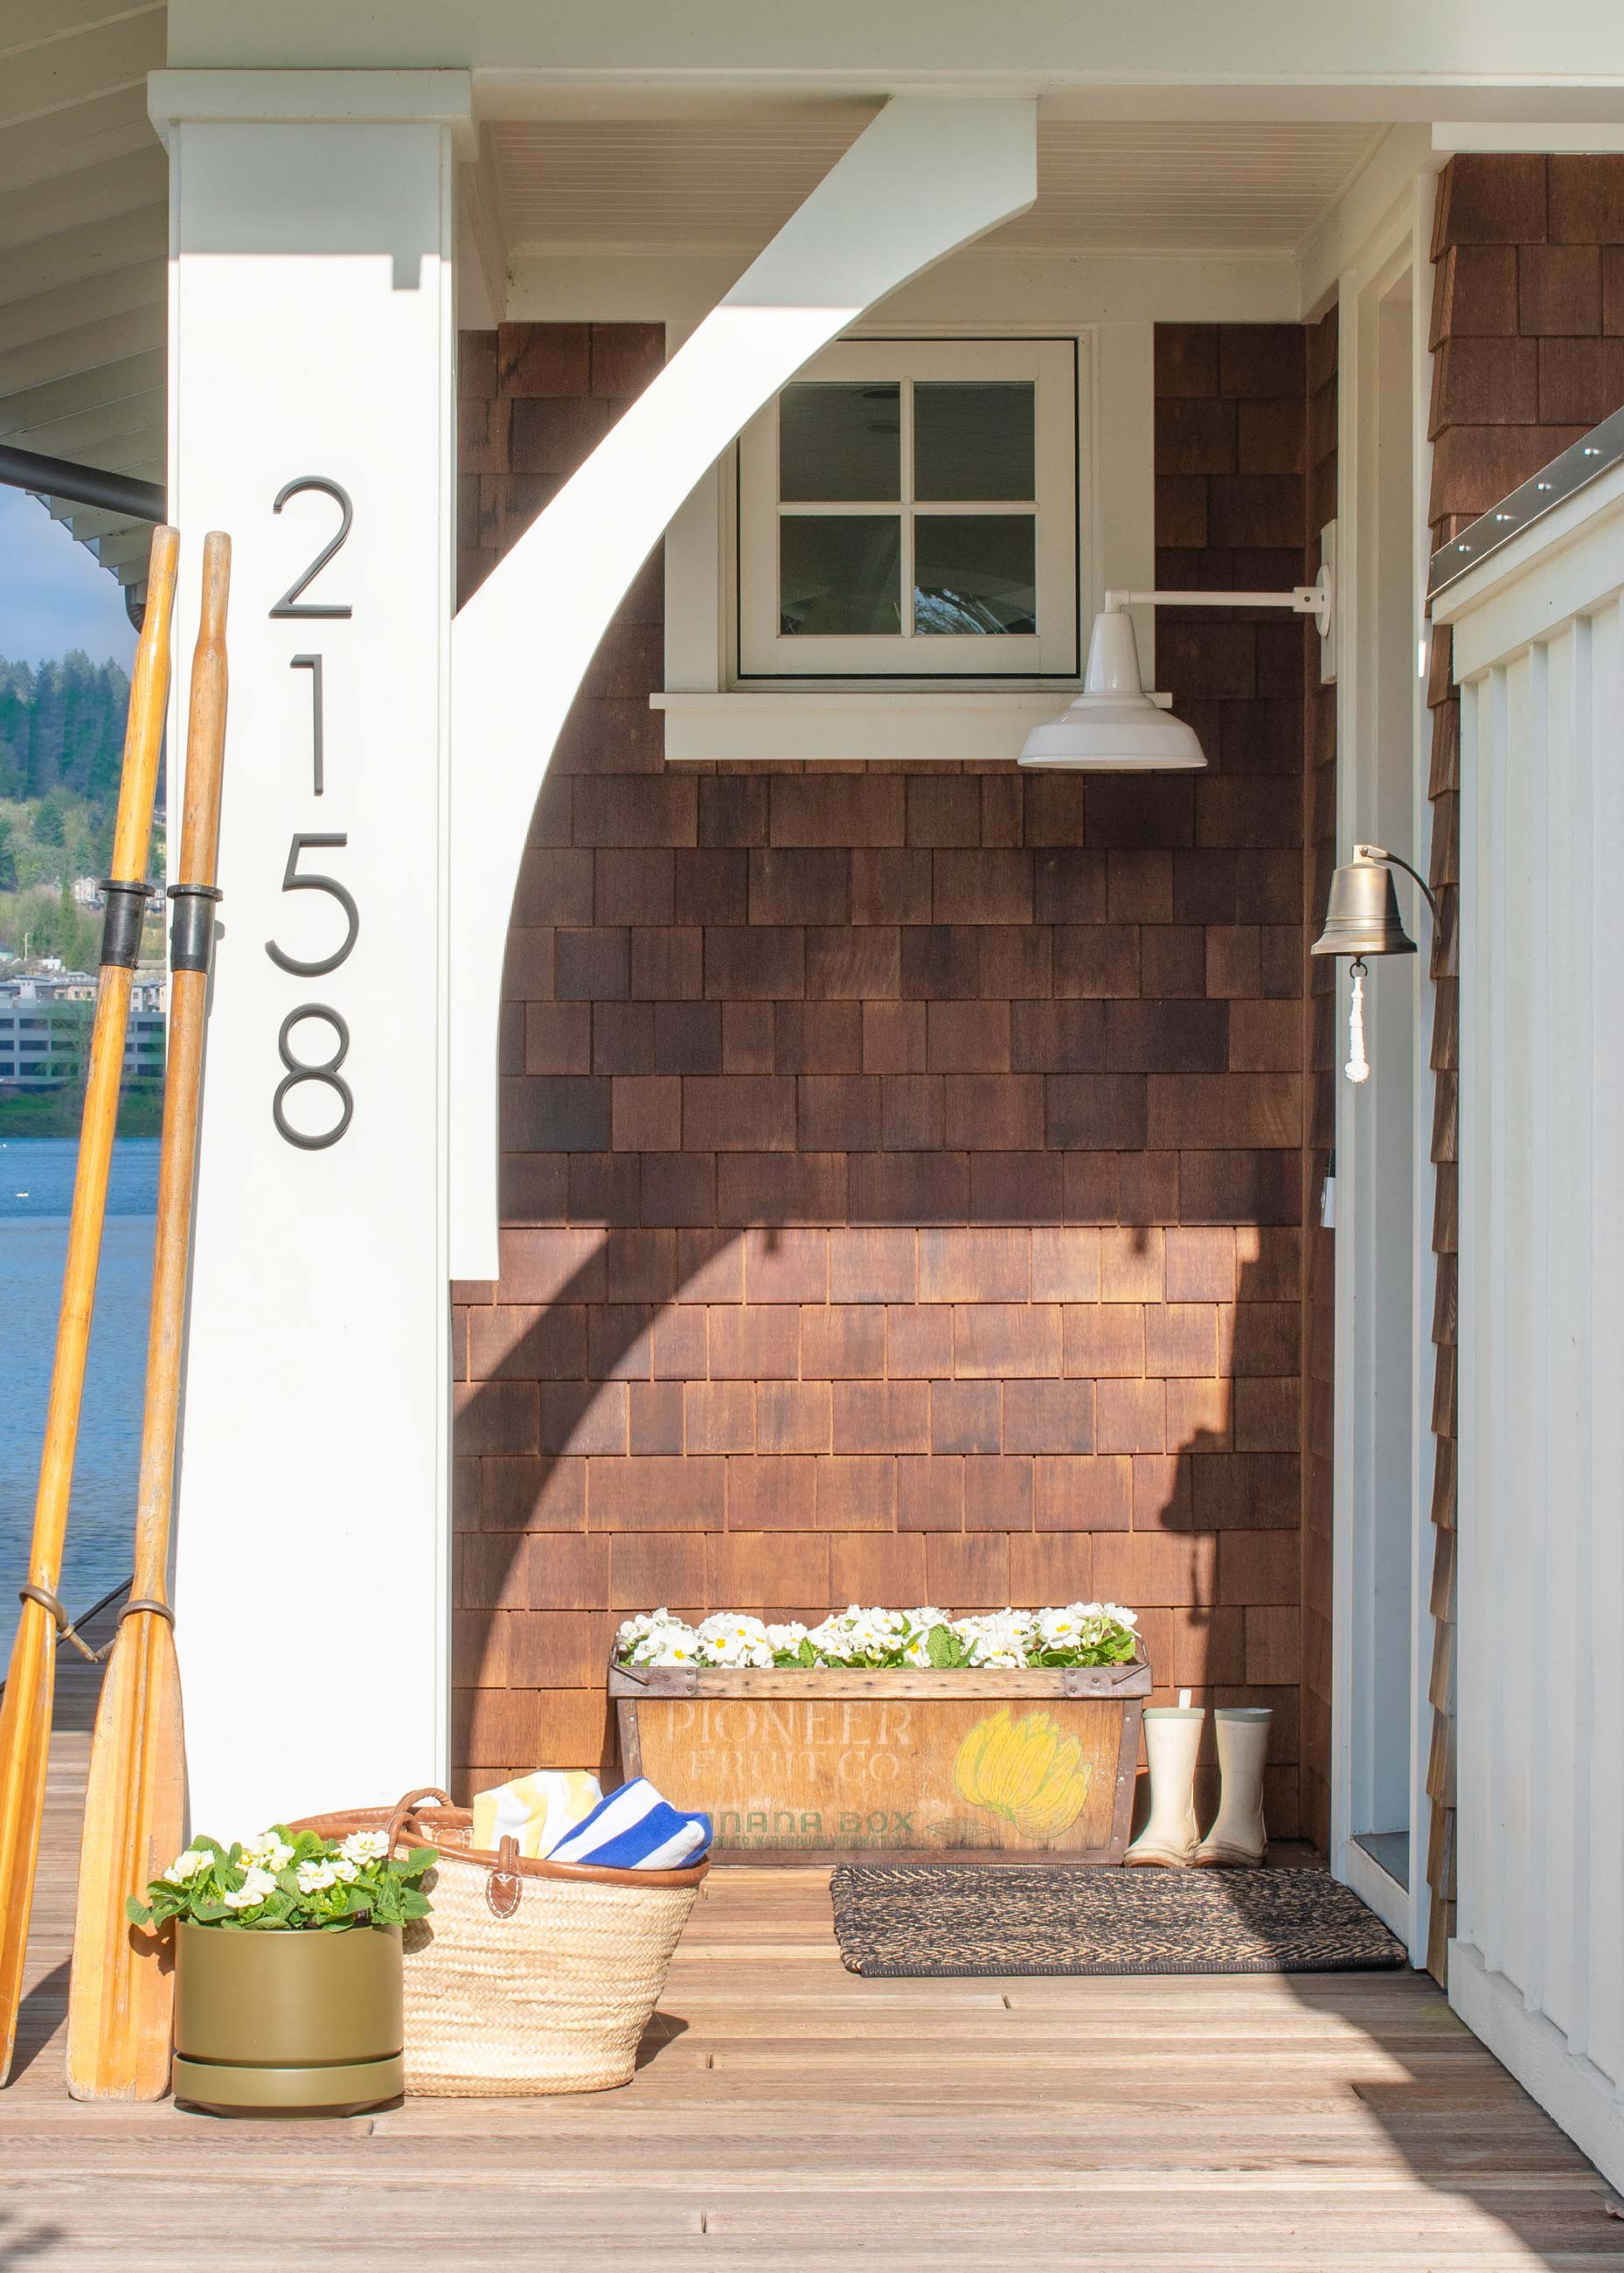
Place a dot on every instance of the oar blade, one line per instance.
(25, 1749)
(121, 1997)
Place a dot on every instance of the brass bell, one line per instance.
(1361, 913)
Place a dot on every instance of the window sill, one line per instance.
(944, 725)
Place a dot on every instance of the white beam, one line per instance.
(111, 125)
(53, 75)
(1563, 137)
(85, 347)
(79, 254)
(95, 194)
(92, 390)
(1000, 287)
(86, 435)
(922, 179)
(90, 300)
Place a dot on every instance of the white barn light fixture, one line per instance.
(1113, 726)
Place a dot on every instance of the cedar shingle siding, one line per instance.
(903, 1168)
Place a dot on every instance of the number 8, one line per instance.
(299, 1069)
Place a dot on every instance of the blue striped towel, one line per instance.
(635, 1829)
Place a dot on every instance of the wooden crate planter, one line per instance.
(826, 1765)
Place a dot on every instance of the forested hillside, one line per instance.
(62, 736)
(62, 727)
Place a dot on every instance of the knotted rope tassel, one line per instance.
(1358, 1068)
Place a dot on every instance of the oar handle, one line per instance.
(192, 937)
(149, 692)
(206, 728)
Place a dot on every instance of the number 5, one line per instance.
(291, 882)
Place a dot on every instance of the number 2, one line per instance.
(290, 604)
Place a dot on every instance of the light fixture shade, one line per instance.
(1113, 725)
(1361, 913)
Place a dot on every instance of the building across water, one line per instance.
(45, 1021)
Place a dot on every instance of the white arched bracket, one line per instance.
(923, 178)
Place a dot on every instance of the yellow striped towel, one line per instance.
(536, 1811)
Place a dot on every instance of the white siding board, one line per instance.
(1538, 1965)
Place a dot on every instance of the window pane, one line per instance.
(839, 574)
(836, 442)
(973, 441)
(974, 572)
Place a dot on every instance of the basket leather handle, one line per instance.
(505, 1885)
(406, 1806)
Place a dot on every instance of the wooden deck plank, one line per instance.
(790, 2116)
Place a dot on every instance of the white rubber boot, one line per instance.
(1172, 1738)
(1238, 1841)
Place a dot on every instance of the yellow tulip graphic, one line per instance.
(1029, 1770)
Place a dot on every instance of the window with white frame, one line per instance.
(909, 508)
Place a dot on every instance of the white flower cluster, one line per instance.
(263, 1857)
(1078, 1633)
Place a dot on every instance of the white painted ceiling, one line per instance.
(732, 180)
(84, 246)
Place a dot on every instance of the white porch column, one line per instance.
(311, 359)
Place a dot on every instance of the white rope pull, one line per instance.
(1358, 1068)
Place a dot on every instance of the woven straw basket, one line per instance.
(528, 1978)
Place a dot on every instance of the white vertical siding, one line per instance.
(1537, 1964)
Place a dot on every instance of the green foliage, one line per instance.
(8, 856)
(50, 819)
(62, 727)
(288, 1881)
(58, 1112)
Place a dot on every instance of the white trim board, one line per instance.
(1378, 1889)
(1571, 2089)
(798, 726)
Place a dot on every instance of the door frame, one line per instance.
(1399, 247)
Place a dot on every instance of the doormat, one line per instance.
(903, 1920)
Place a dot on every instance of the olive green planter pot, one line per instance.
(287, 2024)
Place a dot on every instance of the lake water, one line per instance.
(36, 1193)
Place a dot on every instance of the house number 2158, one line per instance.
(300, 1067)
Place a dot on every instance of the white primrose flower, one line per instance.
(997, 1639)
(833, 1638)
(668, 1642)
(345, 1870)
(1115, 1611)
(273, 1854)
(314, 1877)
(185, 1867)
(1059, 1629)
(787, 1636)
(253, 1892)
(364, 1846)
(734, 1641)
(875, 1634)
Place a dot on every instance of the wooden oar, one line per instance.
(122, 1995)
(26, 1709)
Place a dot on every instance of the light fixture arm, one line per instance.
(1394, 860)
(1316, 600)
